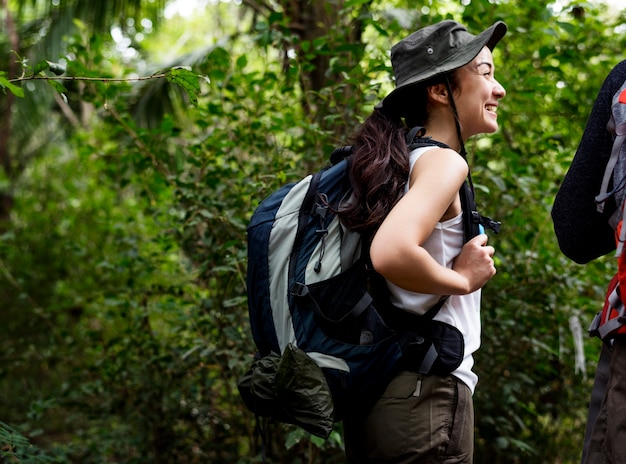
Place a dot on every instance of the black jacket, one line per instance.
(583, 233)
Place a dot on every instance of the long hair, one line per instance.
(379, 167)
(378, 172)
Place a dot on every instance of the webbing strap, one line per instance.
(301, 291)
(262, 428)
(349, 243)
(608, 172)
(619, 130)
(609, 325)
(595, 325)
(615, 300)
(360, 306)
(471, 218)
(429, 359)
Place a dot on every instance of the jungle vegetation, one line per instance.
(135, 142)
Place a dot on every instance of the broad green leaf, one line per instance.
(14, 89)
(188, 80)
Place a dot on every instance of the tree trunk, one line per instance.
(310, 20)
(6, 102)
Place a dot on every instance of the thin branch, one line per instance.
(5, 118)
(79, 78)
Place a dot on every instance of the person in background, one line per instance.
(445, 83)
(585, 234)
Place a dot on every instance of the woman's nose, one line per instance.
(499, 91)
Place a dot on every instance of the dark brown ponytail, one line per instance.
(378, 173)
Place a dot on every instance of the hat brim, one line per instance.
(488, 38)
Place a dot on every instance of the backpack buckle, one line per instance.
(486, 222)
(493, 225)
(299, 289)
(595, 325)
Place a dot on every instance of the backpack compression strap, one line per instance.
(610, 166)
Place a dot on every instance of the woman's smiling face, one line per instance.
(477, 95)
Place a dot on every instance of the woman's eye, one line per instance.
(485, 70)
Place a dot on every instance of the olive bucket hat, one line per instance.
(435, 50)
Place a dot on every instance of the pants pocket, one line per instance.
(383, 434)
(460, 447)
(417, 419)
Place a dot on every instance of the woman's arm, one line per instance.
(396, 251)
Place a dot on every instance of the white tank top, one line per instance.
(461, 311)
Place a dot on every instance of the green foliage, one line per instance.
(14, 447)
(6, 84)
(122, 263)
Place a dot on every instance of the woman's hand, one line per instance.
(475, 262)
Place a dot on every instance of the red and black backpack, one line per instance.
(611, 321)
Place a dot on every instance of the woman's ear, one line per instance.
(438, 93)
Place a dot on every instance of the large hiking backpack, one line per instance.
(611, 320)
(328, 341)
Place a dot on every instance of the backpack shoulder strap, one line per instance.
(472, 220)
(616, 165)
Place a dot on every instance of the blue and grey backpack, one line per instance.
(328, 339)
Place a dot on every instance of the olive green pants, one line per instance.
(418, 420)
